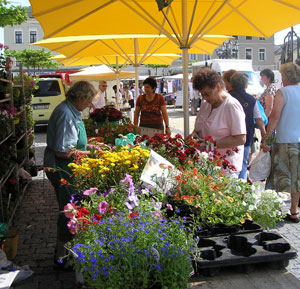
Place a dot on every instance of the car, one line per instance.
(50, 93)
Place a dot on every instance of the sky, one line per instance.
(279, 37)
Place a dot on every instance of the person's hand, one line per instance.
(168, 131)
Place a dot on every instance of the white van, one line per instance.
(242, 65)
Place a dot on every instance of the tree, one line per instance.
(32, 58)
(155, 66)
(10, 14)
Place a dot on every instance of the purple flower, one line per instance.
(103, 207)
(90, 191)
(75, 199)
(132, 201)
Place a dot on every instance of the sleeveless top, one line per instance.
(288, 127)
(248, 102)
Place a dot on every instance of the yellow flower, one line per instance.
(242, 220)
(249, 217)
(230, 199)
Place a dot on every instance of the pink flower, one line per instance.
(157, 214)
(70, 210)
(169, 207)
(90, 191)
(102, 207)
(72, 225)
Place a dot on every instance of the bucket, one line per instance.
(11, 244)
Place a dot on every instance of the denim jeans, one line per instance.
(243, 172)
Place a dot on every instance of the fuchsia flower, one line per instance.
(169, 207)
(70, 210)
(90, 191)
(103, 207)
(72, 225)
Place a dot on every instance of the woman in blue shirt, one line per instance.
(66, 131)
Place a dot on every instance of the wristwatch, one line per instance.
(167, 126)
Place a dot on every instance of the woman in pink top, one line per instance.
(220, 116)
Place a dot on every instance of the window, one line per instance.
(192, 57)
(32, 36)
(262, 38)
(18, 37)
(262, 54)
(248, 37)
(248, 53)
(206, 56)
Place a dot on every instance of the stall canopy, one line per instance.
(183, 21)
(102, 72)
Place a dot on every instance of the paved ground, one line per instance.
(36, 222)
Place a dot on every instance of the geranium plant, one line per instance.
(107, 112)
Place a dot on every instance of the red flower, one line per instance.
(64, 182)
(134, 215)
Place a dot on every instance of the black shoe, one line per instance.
(290, 219)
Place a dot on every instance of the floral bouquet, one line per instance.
(107, 112)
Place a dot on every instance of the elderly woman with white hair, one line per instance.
(285, 117)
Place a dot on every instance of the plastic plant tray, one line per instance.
(223, 230)
(242, 249)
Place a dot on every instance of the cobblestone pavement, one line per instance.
(35, 220)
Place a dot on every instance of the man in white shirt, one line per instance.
(100, 99)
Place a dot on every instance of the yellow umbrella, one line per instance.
(132, 49)
(183, 21)
(120, 61)
(123, 60)
(87, 45)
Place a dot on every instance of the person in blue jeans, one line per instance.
(236, 84)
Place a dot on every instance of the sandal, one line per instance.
(291, 219)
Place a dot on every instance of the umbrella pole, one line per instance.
(136, 70)
(185, 63)
(118, 101)
(185, 58)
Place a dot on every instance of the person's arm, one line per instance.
(136, 115)
(269, 104)
(166, 119)
(274, 118)
(261, 127)
(231, 141)
(276, 113)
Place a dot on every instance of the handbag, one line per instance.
(260, 167)
(262, 113)
(149, 131)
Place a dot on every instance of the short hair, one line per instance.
(268, 73)
(81, 91)
(227, 74)
(101, 82)
(150, 81)
(114, 87)
(290, 72)
(125, 87)
(239, 80)
(207, 77)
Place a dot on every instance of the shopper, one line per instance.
(65, 131)
(220, 116)
(285, 117)
(150, 110)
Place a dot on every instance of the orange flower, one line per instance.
(64, 182)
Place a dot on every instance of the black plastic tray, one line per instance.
(223, 230)
(241, 249)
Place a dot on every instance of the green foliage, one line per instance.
(10, 14)
(33, 58)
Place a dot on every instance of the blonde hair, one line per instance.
(290, 72)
